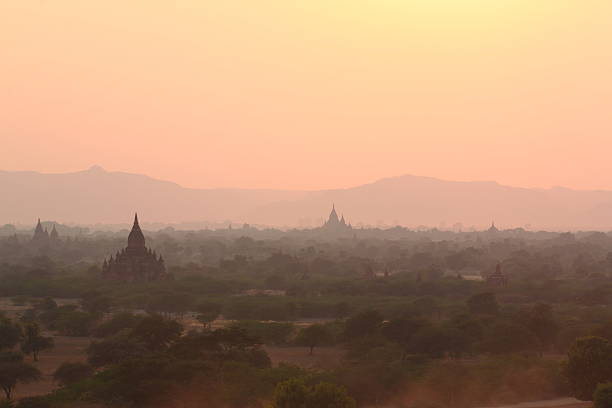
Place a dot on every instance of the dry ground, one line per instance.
(67, 349)
(322, 358)
(72, 349)
(556, 403)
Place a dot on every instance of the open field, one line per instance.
(556, 403)
(72, 349)
(67, 349)
(322, 358)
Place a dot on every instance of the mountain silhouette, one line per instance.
(99, 196)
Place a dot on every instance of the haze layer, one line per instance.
(309, 94)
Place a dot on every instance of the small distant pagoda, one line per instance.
(336, 224)
(41, 235)
(136, 262)
(497, 278)
(493, 229)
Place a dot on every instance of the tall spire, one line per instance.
(493, 227)
(136, 238)
(333, 216)
(54, 235)
(40, 234)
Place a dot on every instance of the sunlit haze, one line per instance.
(305, 203)
(310, 94)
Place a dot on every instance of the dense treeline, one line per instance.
(526, 255)
(413, 321)
(148, 360)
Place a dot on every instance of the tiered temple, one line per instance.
(497, 278)
(336, 224)
(42, 237)
(136, 262)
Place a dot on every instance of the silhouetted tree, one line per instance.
(483, 303)
(362, 324)
(114, 350)
(69, 373)
(10, 333)
(156, 332)
(33, 343)
(34, 402)
(313, 336)
(290, 394)
(13, 370)
(294, 393)
(603, 396)
(403, 330)
(329, 395)
(541, 322)
(589, 363)
(208, 312)
(95, 303)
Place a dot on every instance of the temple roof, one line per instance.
(136, 238)
(333, 216)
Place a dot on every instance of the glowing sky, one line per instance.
(310, 93)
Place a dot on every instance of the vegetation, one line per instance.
(71, 373)
(295, 394)
(400, 313)
(33, 343)
(589, 364)
(13, 370)
(314, 336)
(603, 396)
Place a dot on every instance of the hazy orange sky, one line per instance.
(310, 94)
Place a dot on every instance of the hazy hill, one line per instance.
(98, 196)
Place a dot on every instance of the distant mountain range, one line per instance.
(99, 196)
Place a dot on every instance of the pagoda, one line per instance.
(136, 262)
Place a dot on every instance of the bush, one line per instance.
(589, 363)
(603, 396)
(33, 402)
(70, 373)
(10, 333)
(295, 394)
(117, 323)
(313, 336)
(75, 323)
(269, 332)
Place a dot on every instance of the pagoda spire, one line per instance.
(333, 216)
(136, 238)
(54, 235)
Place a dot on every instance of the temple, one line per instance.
(336, 224)
(493, 229)
(41, 235)
(54, 236)
(136, 262)
(497, 278)
(42, 238)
